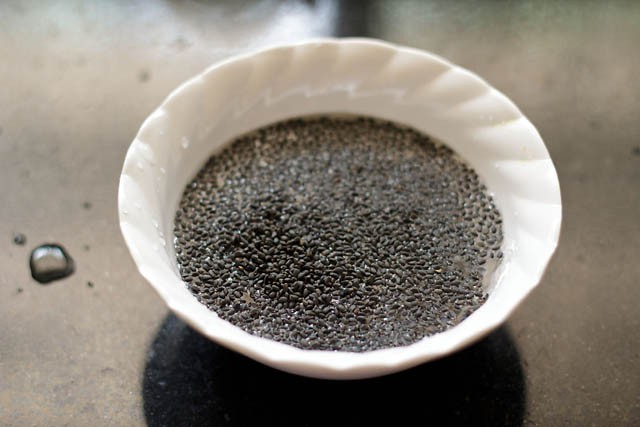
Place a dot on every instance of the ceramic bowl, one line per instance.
(353, 76)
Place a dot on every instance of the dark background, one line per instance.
(77, 79)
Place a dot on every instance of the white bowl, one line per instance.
(363, 77)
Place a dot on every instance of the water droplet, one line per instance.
(125, 212)
(155, 223)
(50, 262)
(163, 171)
(137, 205)
(184, 142)
(140, 165)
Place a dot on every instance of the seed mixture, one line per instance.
(348, 234)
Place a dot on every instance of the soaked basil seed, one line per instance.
(346, 234)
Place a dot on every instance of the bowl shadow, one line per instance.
(189, 380)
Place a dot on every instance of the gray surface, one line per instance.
(78, 78)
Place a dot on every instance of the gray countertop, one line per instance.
(77, 79)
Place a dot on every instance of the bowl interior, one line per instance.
(358, 77)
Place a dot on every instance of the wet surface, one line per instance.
(72, 101)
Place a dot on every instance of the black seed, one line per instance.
(19, 239)
(323, 235)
